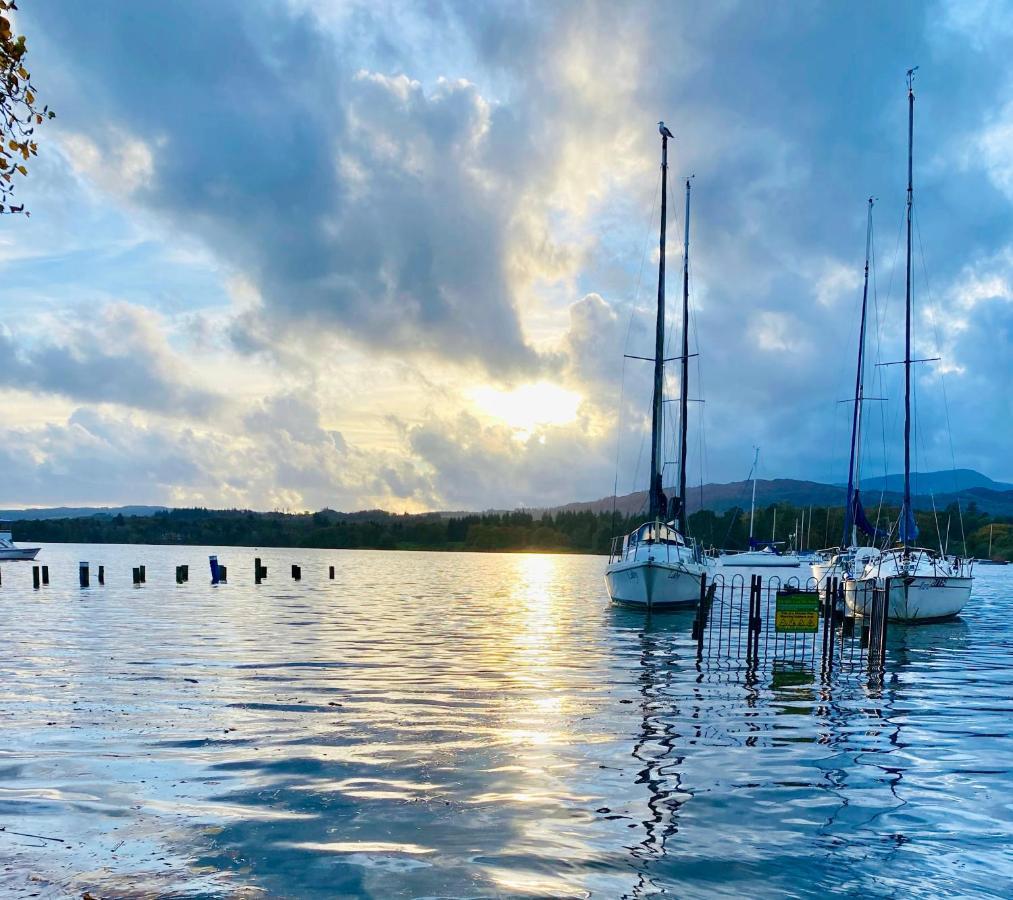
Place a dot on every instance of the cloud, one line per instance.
(117, 355)
(995, 146)
(354, 200)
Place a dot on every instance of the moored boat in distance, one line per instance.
(840, 563)
(11, 551)
(761, 555)
(658, 566)
(991, 561)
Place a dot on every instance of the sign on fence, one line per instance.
(796, 612)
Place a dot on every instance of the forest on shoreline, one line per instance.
(561, 532)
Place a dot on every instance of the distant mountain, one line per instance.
(722, 497)
(936, 482)
(77, 512)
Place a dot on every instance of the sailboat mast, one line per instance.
(656, 491)
(752, 503)
(907, 516)
(856, 417)
(684, 380)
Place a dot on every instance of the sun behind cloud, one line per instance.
(529, 406)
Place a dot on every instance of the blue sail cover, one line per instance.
(908, 526)
(862, 521)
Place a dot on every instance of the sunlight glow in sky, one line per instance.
(529, 406)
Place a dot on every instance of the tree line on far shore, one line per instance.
(574, 532)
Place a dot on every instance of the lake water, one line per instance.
(474, 725)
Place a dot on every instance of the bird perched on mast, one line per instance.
(664, 132)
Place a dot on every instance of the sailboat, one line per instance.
(850, 558)
(924, 585)
(761, 554)
(990, 561)
(658, 565)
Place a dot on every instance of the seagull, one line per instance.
(664, 132)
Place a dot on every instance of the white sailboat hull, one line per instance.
(913, 598)
(650, 584)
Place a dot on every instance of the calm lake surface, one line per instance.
(474, 725)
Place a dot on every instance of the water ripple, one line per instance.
(470, 725)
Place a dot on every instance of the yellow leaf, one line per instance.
(22, 169)
(12, 144)
(23, 72)
(30, 97)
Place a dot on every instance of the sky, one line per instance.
(301, 254)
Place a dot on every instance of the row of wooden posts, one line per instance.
(219, 573)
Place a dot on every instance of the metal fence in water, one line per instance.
(792, 625)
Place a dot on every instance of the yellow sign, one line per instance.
(797, 612)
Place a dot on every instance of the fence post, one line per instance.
(757, 620)
(749, 620)
(885, 620)
(700, 623)
(828, 626)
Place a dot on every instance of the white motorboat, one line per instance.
(11, 551)
(658, 566)
(925, 586)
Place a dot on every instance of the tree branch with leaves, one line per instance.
(19, 111)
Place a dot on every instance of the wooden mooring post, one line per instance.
(259, 571)
(35, 577)
(296, 572)
(330, 573)
(45, 575)
(83, 575)
(101, 574)
(136, 573)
